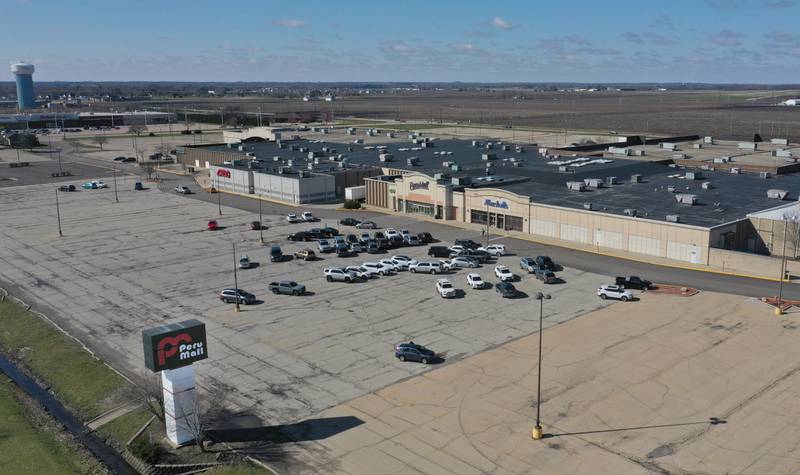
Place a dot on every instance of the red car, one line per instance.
(212, 225)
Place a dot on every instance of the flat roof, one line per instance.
(731, 196)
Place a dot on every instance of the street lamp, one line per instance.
(235, 279)
(219, 198)
(537, 429)
(116, 196)
(786, 220)
(58, 215)
(260, 221)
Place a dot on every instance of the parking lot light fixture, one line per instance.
(235, 278)
(58, 215)
(260, 221)
(537, 429)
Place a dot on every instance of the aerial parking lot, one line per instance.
(150, 259)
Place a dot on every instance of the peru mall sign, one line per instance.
(173, 346)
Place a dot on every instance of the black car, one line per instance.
(352, 239)
(349, 222)
(413, 352)
(373, 247)
(633, 282)
(129, 160)
(66, 188)
(480, 256)
(439, 251)
(395, 242)
(468, 243)
(330, 232)
(546, 263)
(425, 238)
(379, 235)
(506, 289)
(301, 236)
(119, 159)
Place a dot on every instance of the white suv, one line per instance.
(308, 217)
(445, 288)
(431, 267)
(494, 249)
(474, 280)
(339, 274)
(390, 232)
(292, 218)
(504, 273)
(378, 267)
(362, 272)
(614, 292)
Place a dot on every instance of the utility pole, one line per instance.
(537, 429)
(235, 279)
(260, 220)
(219, 198)
(116, 195)
(487, 225)
(58, 215)
(779, 308)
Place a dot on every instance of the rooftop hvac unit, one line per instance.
(779, 141)
(489, 145)
(667, 146)
(679, 156)
(588, 206)
(310, 166)
(386, 157)
(455, 167)
(563, 168)
(542, 150)
(636, 178)
(290, 162)
(316, 160)
(630, 212)
(671, 189)
(777, 194)
(506, 148)
(764, 175)
(698, 145)
(721, 160)
(241, 148)
(593, 182)
(488, 156)
(303, 149)
(475, 143)
(707, 185)
(463, 180)
(390, 135)
(426, 144)
(747, 146)
(438, 176)
(517, 164)
(694, 175)
(520, 149)
(708, 139)
(412, 161)
(736, 171)
(611, 180)
(276, 158)
(576, 186)
(673, 218)
(230, 145)
(686, 199)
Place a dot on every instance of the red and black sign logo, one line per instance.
(223, 173)
(176, 345)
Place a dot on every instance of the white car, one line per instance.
(100, 184)
(398, 263)
(339, 274)
(464, 261)
(494, 249)
(504, 273)
(390, 232)
(431, 267)
(325, 245)
(447, 264)
(362, 272)
(390, 264)
(244, 262)
(614, 292)
(308, 217)
(475, 281)
(401, 258)
(404, 233)
(292, 218)
(184, 190)
(411, 240)
(378, 267)
(445, 288)
(456, 248)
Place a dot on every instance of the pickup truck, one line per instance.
(633, 282)
(287, 287)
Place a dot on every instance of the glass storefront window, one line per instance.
(419, 208)
(477, 217)
(513, 223)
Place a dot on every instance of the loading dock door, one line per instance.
(543, 228)
(644, 245)
(608, 239)
(575, 233)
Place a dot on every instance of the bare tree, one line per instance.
(100, 140)
(792, 238)
(137, 129)
(76, 146)
(163, 150)
(147, 389)
(149, 168)
(206, 412)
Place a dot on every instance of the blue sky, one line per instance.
(731, 41)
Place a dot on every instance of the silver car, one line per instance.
(366, 225)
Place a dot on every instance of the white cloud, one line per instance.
(498, 22)
(290, 23)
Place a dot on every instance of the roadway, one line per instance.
(585, 261)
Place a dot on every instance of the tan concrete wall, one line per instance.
(751, 264)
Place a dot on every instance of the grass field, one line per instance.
(84, 383)
(124, 427)
(26, 448)
(238, 470)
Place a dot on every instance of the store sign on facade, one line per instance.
(223, 173)
(422, 185)
(496, 203)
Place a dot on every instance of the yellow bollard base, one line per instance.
(778, 311)
(537, 433)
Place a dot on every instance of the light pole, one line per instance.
(219, 198)
(260, 221)
(537, 429)
(58, 215)
(235, 279)
(786, 220)
(116, 196)
(487, 225)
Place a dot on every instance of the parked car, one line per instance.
(300, 236)
(475, 281)
(390, 264)
(119, 159)
(305, 254)
(413, 352)
(338, 274)
(495, 250)
(373, 247)
(308, 217)
(364, 238)
(360, 272)
(356, 247)
(343, 250)
(397, 257)
(379, 235)
(212, 225)
(404, 233)
(367, 225)
(503, 273)
(412, 240)
(390, 232)
(506, 289)
(292, 218)
(275, 254)
(546, 263)
(351, 238)
(529, 264)
(349, 222)
(255, 225)
(287, 287)
(547, 276)
(445, 288)
(468, 243)
(325, 245)
(633, 282)
(379, 267)
(395, 241)
(66, 188)
(614, 292)
(138, 186)
(232, 295)
(89, 185)
(244, 262)
(430, 267)
(425, 237)
(129, 160)
(184, 190)
(438, 251)
(456, 250)
(329, 231)
(464, 262)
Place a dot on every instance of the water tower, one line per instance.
(23, 72)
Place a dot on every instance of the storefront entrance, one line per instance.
(413, 207)
(497, 220)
